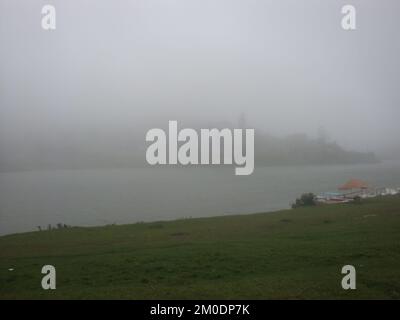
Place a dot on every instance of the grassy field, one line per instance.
(291, 254)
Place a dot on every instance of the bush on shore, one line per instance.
(306, 200)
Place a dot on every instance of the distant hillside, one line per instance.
(127, 149)
(299, 149)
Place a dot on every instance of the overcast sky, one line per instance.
(114, 65)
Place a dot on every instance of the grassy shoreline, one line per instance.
(288, 254)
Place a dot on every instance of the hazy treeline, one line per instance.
(300, 149)
(116, 149)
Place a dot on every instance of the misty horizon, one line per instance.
(109, 69)
(114, 149)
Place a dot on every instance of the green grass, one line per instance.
(290, 254)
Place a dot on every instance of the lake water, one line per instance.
(99, 197)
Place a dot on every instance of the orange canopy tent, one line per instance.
(354, 184)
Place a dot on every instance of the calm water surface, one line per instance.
(99, 197)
